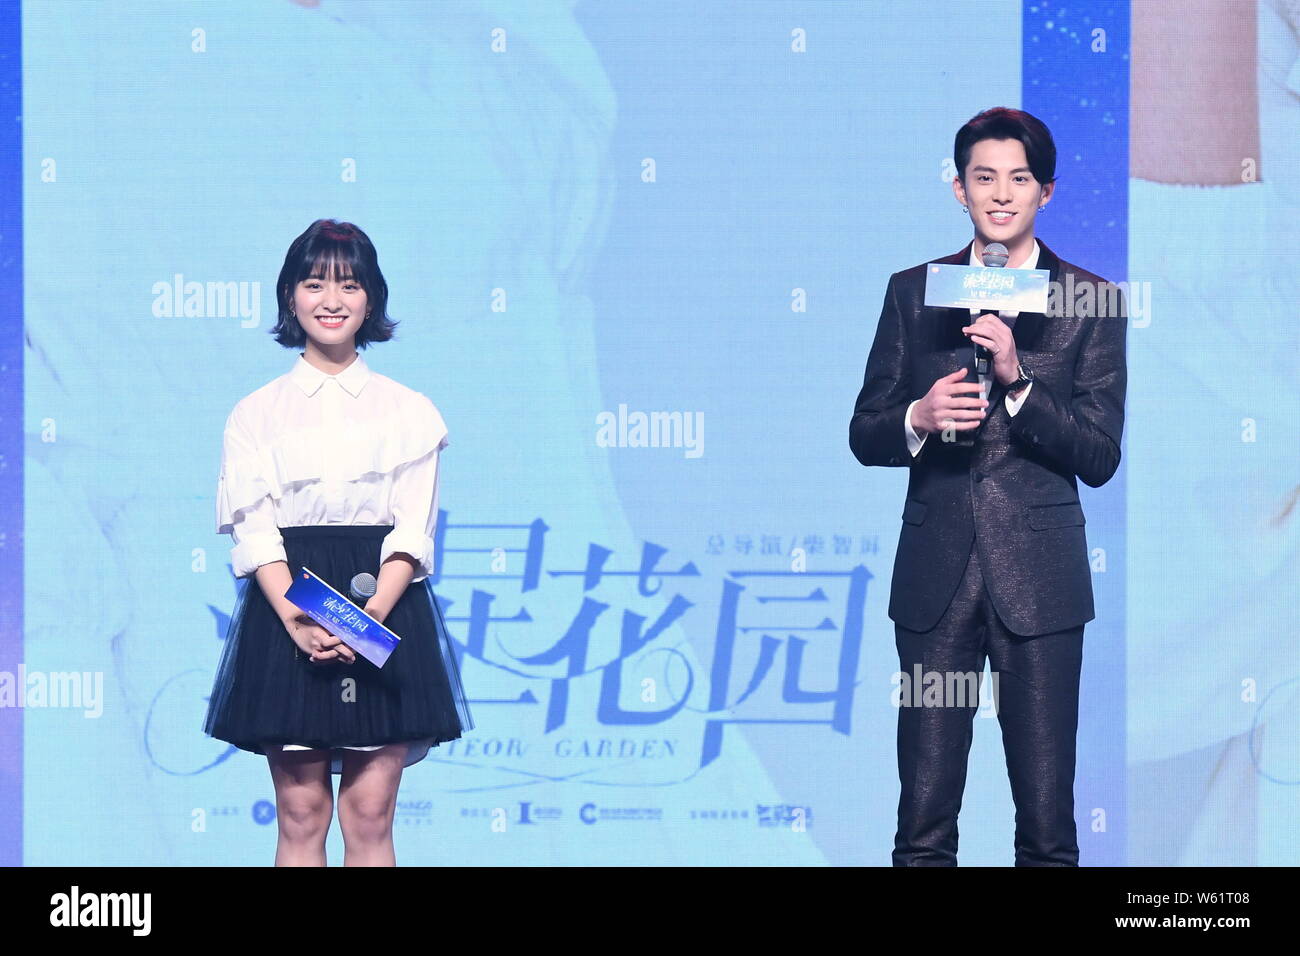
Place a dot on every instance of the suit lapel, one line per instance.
(1030, 326)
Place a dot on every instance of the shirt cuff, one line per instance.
(255, 550)
(417, 545)
(1013, 405)
(914, 441)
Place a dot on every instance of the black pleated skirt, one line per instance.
(265, 695)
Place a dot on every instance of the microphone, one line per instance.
(995, 256)
(362, 587)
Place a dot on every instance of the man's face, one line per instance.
(1002, 193)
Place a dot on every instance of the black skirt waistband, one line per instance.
(337, 531)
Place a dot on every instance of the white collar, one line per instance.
(309, 378)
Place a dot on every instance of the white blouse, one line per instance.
(309, 448)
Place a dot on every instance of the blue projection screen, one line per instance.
(603, 225)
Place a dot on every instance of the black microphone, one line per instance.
(995, 256)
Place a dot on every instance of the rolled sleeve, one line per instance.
(415, 513)
(245, 509)
(257, 539)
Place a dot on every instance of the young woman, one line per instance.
(333, 467)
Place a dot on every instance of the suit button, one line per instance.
(893, 461)
(979, 476)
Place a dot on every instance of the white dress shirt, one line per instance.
(307, 448)
(915, 441)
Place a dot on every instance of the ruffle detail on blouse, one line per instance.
(240, 487)
(353, 450)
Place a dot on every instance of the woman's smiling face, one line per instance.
(1001, 191)
(330, 307)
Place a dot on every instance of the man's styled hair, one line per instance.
(1000, 122)
(333, 248)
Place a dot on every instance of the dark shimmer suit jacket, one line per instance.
(1014, 491)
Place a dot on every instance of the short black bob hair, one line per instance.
(1003, 123)
(325, 248)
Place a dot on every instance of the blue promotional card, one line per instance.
(332, 611)
(991, 290)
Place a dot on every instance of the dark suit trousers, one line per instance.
(1038, 709)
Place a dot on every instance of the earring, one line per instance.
(1042, 207)
(965, 208)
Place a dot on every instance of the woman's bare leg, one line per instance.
(367, 800)
(304, 805)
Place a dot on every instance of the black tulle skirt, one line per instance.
(265, 695)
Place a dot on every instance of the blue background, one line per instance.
(582, 206)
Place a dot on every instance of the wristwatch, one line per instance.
(1025, 377)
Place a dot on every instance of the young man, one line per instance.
(992, 558)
